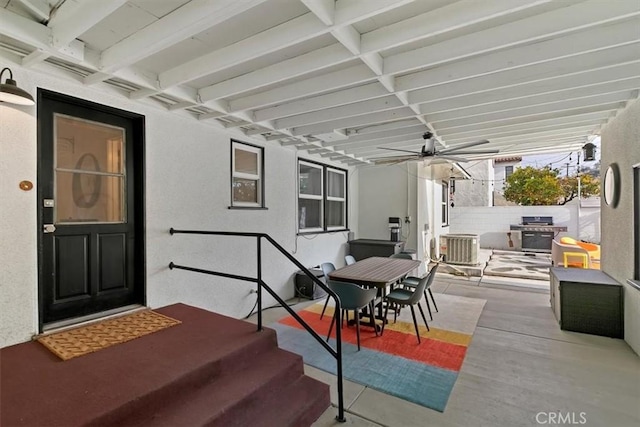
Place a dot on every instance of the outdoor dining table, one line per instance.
(379, 272)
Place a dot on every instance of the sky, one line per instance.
(560, 160)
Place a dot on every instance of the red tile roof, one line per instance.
(508, 159)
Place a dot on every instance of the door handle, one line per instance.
(49, 228)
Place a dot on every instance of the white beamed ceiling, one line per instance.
(343, 78)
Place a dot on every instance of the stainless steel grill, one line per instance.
(537, 232)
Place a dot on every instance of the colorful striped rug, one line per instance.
(394, 363)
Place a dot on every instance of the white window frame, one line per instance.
(445, 203)
(338, 199)
(259, 177)
(311, 197)
(508, 170)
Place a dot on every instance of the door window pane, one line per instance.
(81, 144)
(89, 171)
(92, 198)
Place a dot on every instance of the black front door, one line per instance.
(90, 207)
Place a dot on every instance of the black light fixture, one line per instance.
(589, 151)
(10, 92)
(429, 143)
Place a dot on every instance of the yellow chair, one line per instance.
(558, 249)
(582, 262)
(593, 249)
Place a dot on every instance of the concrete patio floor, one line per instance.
(528, 268)
(520, 370)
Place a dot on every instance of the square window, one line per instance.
(247, 175)
(322, 201)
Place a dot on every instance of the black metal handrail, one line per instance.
(337, 353)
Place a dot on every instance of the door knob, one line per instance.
(49, 228)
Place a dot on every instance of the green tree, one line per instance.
(589, 186)
(530, 186)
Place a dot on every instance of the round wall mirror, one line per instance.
(611, 185)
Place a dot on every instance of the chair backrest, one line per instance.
(351, 295)
(432, 275)
(558, 249)
(423, 284)
(327, 267)
(349, 259)
(401, 255)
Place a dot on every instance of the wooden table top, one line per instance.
(376, 271)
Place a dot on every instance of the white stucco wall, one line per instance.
(477, 191)
(383, 193)
(500, 174)
(18, 246)
(187, 186)
(621, 143)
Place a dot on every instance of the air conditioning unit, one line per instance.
(460, 248)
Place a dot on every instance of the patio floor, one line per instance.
(519, 265)
(520, 369)
(501, 267)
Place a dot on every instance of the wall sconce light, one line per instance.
(10, 92)
(589, 151)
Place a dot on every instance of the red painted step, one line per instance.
(222, 363)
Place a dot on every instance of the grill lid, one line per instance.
(537, 220)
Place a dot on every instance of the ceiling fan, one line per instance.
(429, 151)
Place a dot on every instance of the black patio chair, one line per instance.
(352, 297)
(412, 282)
(402, 297)
(327, 267)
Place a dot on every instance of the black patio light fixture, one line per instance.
(10, 92)
(589, 151)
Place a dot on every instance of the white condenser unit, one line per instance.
(460, 248)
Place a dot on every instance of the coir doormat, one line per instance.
(87, 339)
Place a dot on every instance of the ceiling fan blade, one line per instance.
(451, 158)
(398, 149)
(393, 159)
(461, 146)
(487, 151)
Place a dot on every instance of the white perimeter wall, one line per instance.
(492, 223)
(621, 144)
(187, 186)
